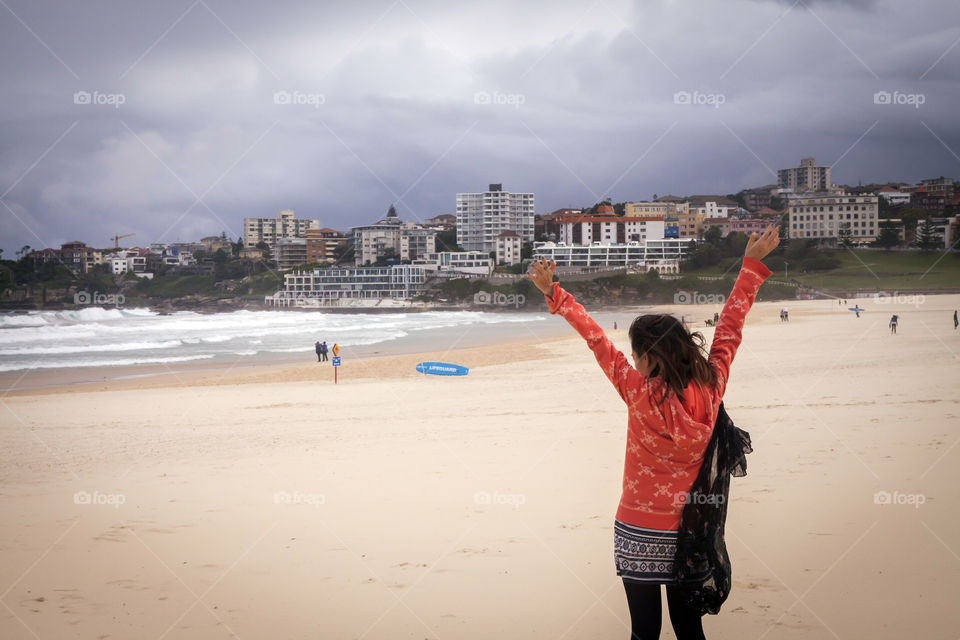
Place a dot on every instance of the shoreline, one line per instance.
(474, 346)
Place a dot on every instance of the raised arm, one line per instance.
(729, 331)
(615, 365)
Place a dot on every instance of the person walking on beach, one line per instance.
(955, 321)
(319, 351)
(673, 393)
(786, 314)
(323, 350)
(893, 324)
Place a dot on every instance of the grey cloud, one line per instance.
(399, 111)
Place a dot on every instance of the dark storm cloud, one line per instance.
(411, 102)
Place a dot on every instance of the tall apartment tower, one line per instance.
(808, 177)
(270, 230)
(482, 217)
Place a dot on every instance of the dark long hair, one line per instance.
(677, 354)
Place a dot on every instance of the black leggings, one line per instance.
(645, 608)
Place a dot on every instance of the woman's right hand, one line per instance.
(542, 275)
(759, 245)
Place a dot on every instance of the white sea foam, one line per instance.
(19, 366)
(96, 336)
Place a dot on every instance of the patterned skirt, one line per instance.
(644, 555)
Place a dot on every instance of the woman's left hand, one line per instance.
(542, 275)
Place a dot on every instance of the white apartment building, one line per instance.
(269, 230)
(122, 262)
(893, 197)
(397, 281)
(820, 216)
(808, 177)
(406, 240)
(665, 251)
(580, 229)
(472, 262)
(481, 217)
(712, 209)
(508, 248)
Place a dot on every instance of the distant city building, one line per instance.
(468, 262)
(748, 225)
(767, 212)
(75, 256)
(322, 244)
(416, 241)
(689, 224)
(758, 197)
(712, 206)
(544, 225)
(129, 261)
(720, 223)
(939, 187)
(663, 254)
(808, 177)
(582, 229)
(269, 230)
(290, 253)
(931, 202)
(211, 244)
(481, 217)
(390, 237)
(443, 222)
(948, 229)
(396, 281)
(821, 216)
(894, 197)
(251, 253)
(508, 248)
(648, 209)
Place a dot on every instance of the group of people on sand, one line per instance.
(784, 315)
(321, 349)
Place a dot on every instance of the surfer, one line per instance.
(673, 393)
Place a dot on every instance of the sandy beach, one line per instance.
(265, 501)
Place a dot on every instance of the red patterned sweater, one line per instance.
(665, 444)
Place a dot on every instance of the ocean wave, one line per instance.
(19, 366)
(90, 348)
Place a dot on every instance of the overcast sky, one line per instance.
(202, 112)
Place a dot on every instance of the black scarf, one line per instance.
(702, 566)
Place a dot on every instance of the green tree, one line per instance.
(911, 216)
(447, 240)
(927, 237)
(889, 235)
(844, 235)
(713, 236)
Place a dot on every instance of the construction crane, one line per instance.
(116, 239)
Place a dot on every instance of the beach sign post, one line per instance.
(335, 362)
